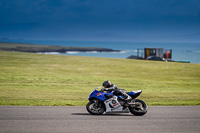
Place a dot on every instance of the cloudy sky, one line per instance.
(101, 20)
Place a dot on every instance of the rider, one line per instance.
(117, 91)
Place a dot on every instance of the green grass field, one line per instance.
(59, 80)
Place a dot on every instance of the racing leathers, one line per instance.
(117, 91)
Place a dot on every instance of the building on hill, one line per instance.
(146, 53)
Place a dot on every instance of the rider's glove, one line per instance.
(103, 89)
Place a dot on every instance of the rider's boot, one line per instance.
(127, 97)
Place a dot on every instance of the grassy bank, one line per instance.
(37, 79)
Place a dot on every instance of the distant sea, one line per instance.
(180, 51)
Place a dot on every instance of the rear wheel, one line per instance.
(138, 108)
(95, 108)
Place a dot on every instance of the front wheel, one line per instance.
(95, 108)
(139, 108)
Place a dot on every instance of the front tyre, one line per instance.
(139, 108)
(95, 108)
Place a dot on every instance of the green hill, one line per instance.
(46, 80)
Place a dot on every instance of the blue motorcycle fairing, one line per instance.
(99, 95)
(102, 95)
(134, 94)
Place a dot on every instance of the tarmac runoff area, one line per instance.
(42, 119)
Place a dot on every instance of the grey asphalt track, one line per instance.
(159, 119)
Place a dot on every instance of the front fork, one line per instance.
(97, 103)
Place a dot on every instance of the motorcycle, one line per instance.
(100, 102)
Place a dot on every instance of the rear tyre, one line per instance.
(95, 108)
(140, 108)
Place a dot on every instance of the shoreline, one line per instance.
(35, 48)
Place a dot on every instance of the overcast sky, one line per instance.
(101, 20)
